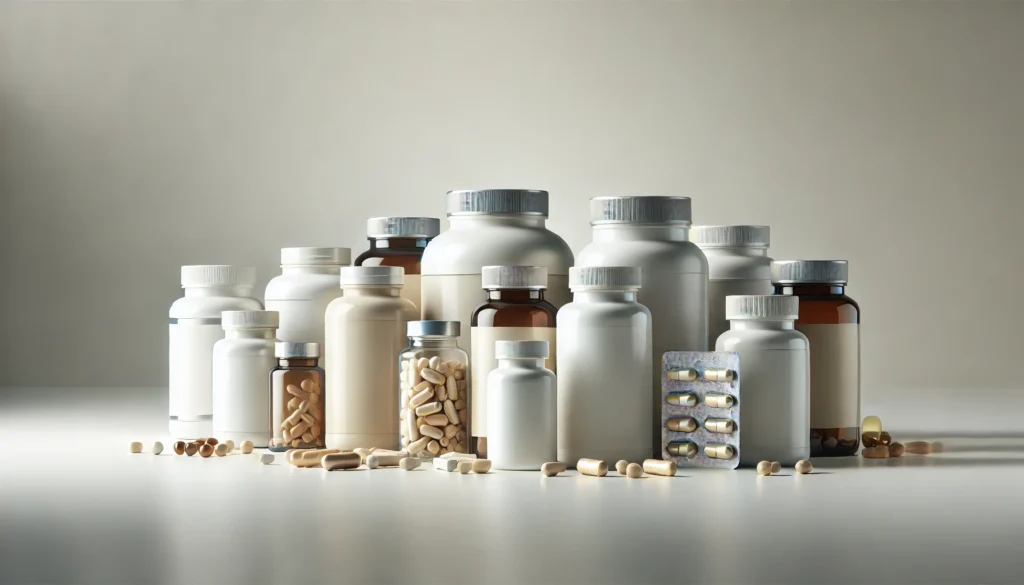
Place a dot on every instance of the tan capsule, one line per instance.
(480, 466)
(428, 408)
(681, 399)
(451, 412)
(135, 447)
(221, 450)
(878, 452)
(418, 446)
(334, 461)
(719, 375)
(409, 463)
(552, 468)
(918, 448)
(681, 425)
(683, 375)
(421, 396)
(719, 451)
(206, 450)
(721, 426)
(621, 465)
(764, 468)
(191, 449)
(464, 466)
(432, 376)
(593, 467)
(803, 466)
(433, 447)
(179, 447)
(437, 420)
(688, 450)
(432, 432)
(311, 457)
(719, 400)
(776, 467)
(308, 385)
(246, 447)
(376, 459)
(634, 471)
(660, 467)
(896, 449)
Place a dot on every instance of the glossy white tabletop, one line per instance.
(76, 507)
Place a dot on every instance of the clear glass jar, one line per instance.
(296, 398)
(433, 391)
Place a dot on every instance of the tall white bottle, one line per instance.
(605, 368)
(242, 363)
(307, 284)
(195, 326)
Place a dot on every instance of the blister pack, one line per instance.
(700, 408)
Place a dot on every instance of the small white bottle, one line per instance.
(774, 377)
(605, 368)
(195, 326)
(365, 331)
(307, 284)
(738, 264)
(522, 407)
(242, 363)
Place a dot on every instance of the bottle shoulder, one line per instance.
(371, 308)
(208, 307)
(761, 339)
(612, 313)
(263, 348)
(466, 250)
(511, 376)
(286, 287)
(684, 257)
(502, 314)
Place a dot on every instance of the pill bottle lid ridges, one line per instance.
(217, 275)
(527, 349)
(524, 277)
(640, 210)
(403, 227)
(433, 329)
(319, 256)
(250, 320)
(768, 307)
(740, 236)
(604, 277)
(498, 202)
(810, 271)
(290, 349)
(372, 275)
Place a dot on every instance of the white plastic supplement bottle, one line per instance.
(521, 417)
(242, 363)
(738, 264)
(307, 284)
(365, 330)
(494, 227)
(774, 377)
(605, 368)
(653, 233)
(195, 326)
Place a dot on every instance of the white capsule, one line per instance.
(449, 465)
(266, 459)
(430, 431)
(158, 448)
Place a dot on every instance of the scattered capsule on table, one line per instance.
(896, 449)
(191, 449)
(592, 467)
(659, 467)
(553, 468)
(764, 468)
(634, 470)
(409, 463)
(221, 450)
(621, 465)
(918, 447)
(378, 459)
(135, 447)
(212, 441)
(158, 448)
(311, 457)
(776, 466)
(333, 461)
(879, 452)
(266, 459)
(464, 466)
(206, 450)
(480, 466)
(246, 447)
(803, 466)
(179, 447)
(230, 444)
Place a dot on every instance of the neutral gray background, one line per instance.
(136, 137)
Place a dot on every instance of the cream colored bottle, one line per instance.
(365, 330)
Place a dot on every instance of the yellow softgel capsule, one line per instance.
(871, 424)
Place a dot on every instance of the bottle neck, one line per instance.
(218, 291)
(810, 289)
(604, 296)
(433, 342)
(250, 333)
(748, 251)
(764, 324)
(298, 362)
(461, 222)
(530, 363)
(371, 290)
(310, 269)
(629, 232)
(513, 295)
(398, 243)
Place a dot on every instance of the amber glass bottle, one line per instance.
(831, 322)
(400, 241)
(514, 310)
(296, 398)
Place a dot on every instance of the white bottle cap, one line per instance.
(498, 202)
(731, 236)
(249, 319)
(372, 275)
(316, 256)
(403, 227)
(291, 349)
(604, 277)
(767, 307)
(533, 349)
(525, 277)
(217, 275)
(652, 209)
(433, 329)
(810, 272)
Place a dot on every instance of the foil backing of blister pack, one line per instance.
(700, 363)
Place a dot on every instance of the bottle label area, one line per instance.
(835, 375)
(190, 376)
